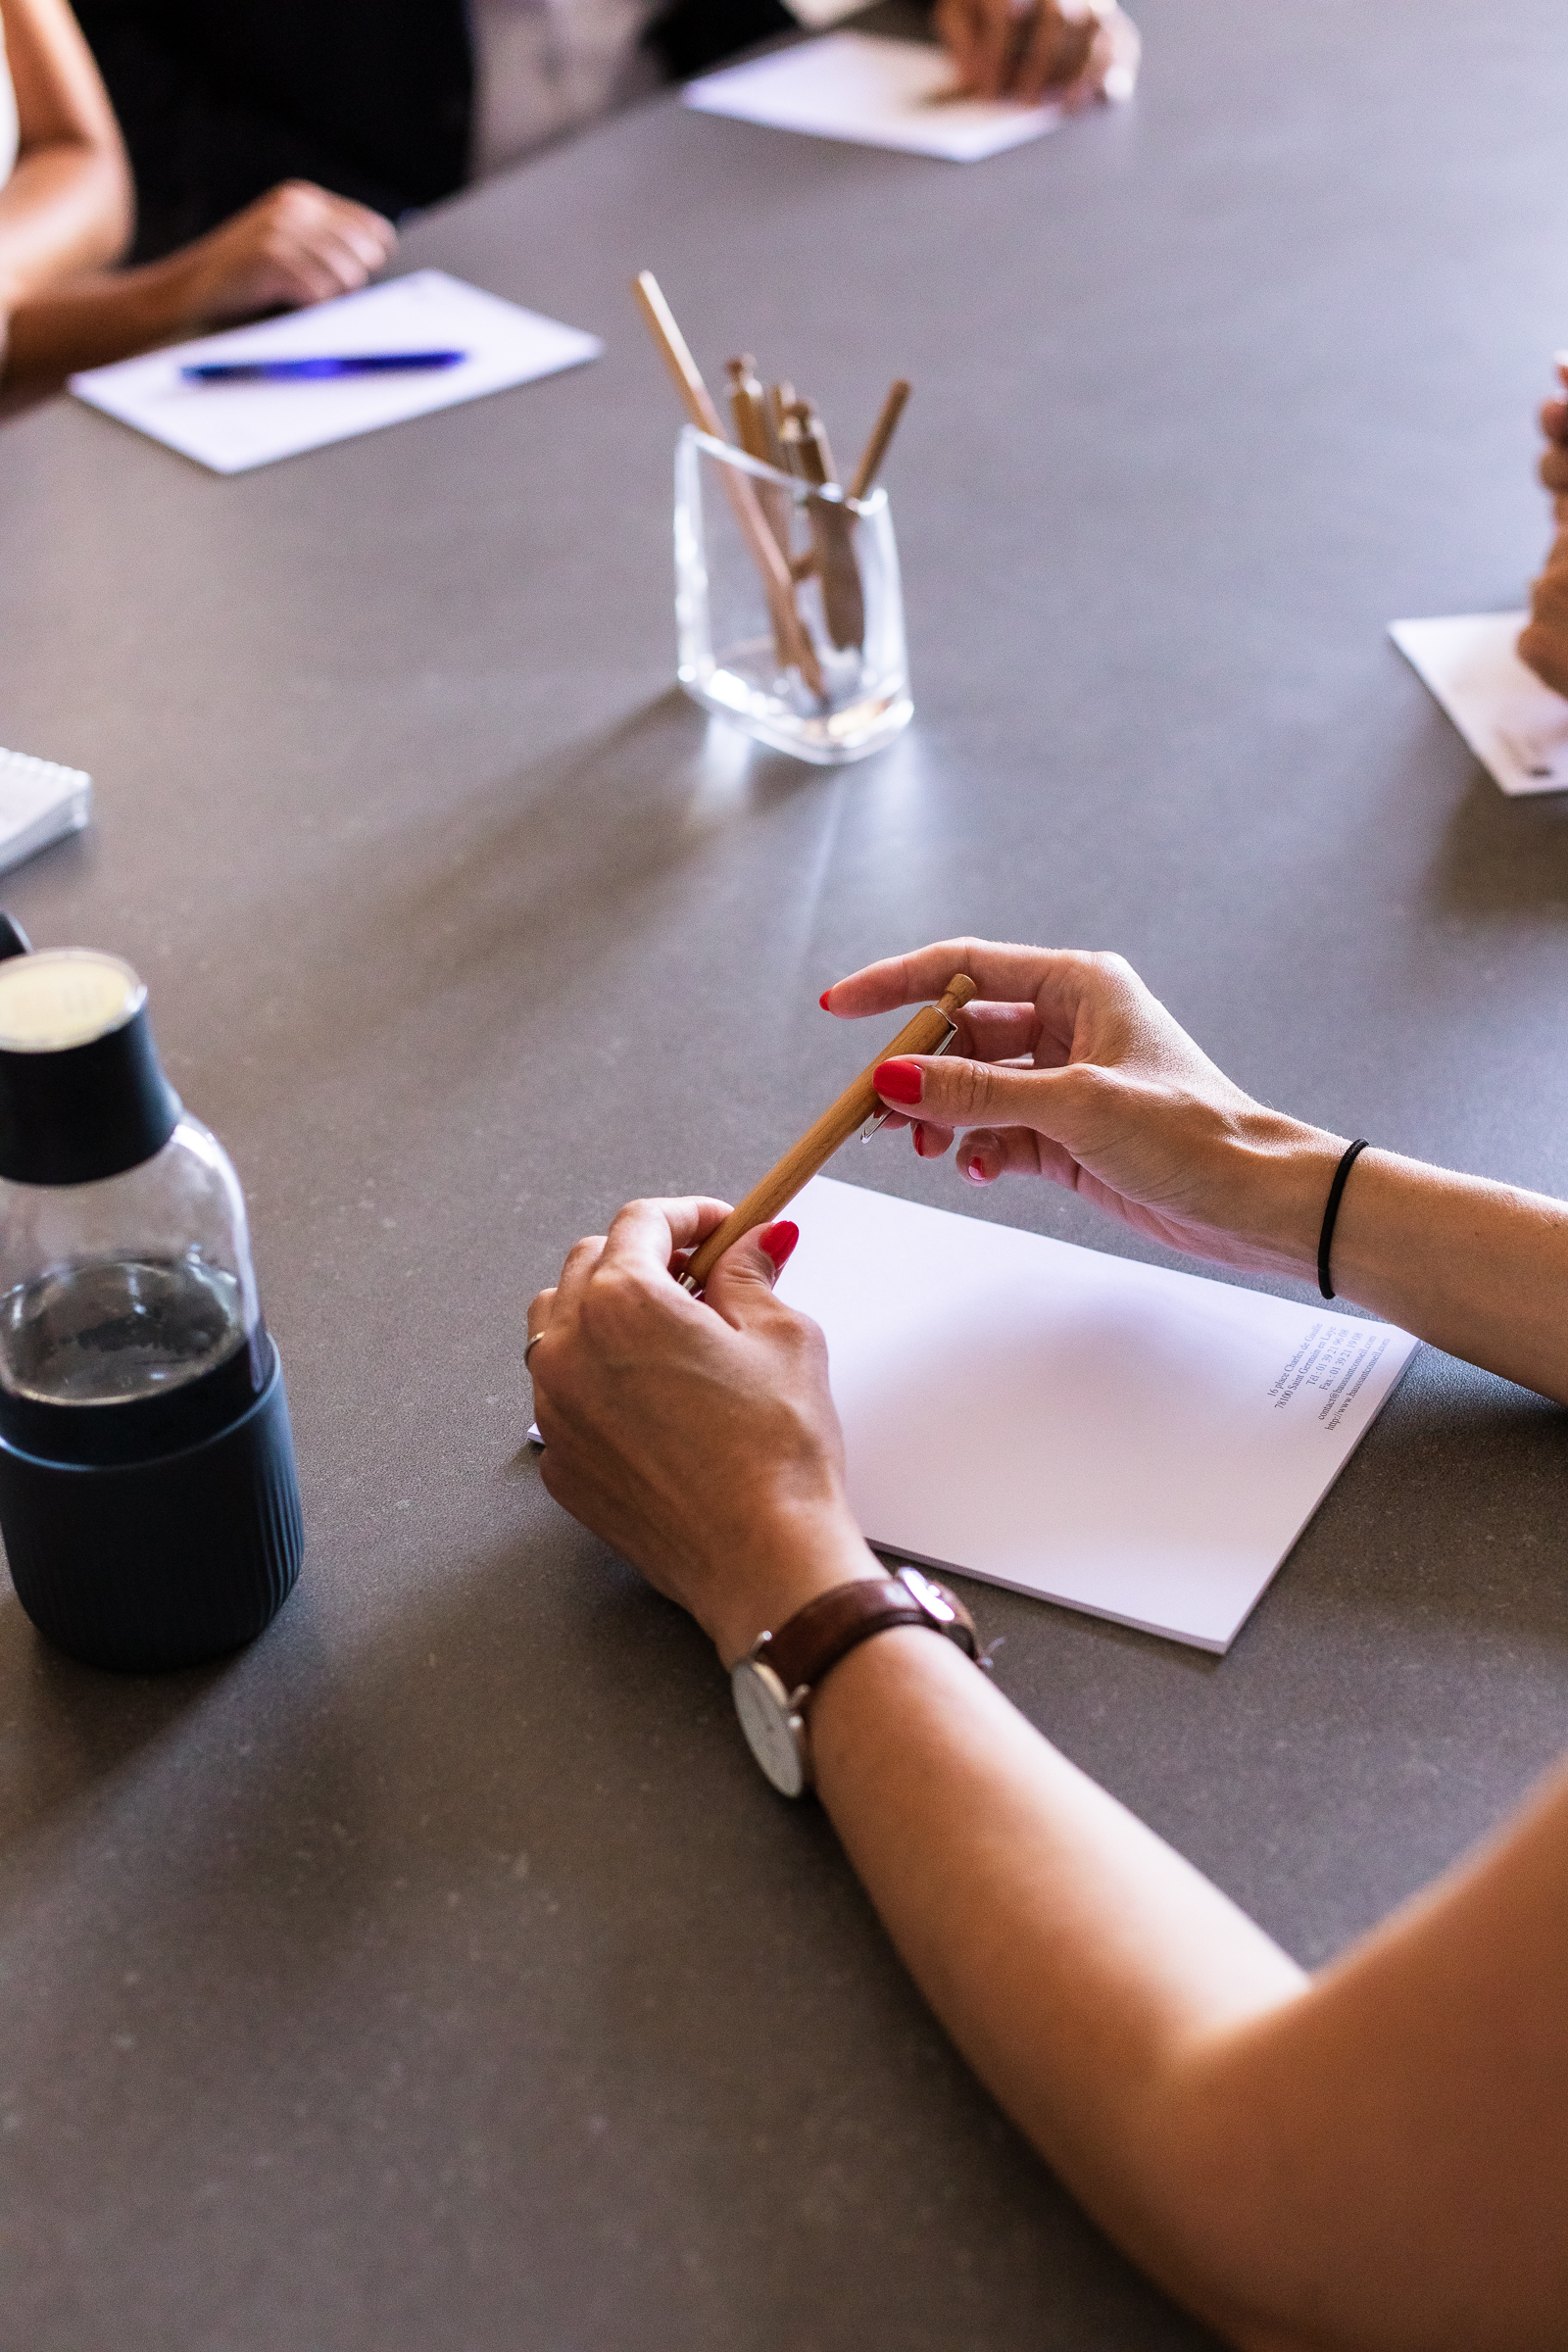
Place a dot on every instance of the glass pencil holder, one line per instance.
(788, 607)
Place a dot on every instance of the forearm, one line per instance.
(1478, 1269)
(94, 322)
(65, 208)
(1072, 1955)
(1374, 2162)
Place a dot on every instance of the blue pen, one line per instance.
(313, 371)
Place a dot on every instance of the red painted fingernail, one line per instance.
(778, 1240)
(916, 1134)
(975, 1170)
(823, 1000)
(899, 1081)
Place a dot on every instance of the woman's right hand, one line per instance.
(1069, 51)
(298, 244)
(1067, 1066)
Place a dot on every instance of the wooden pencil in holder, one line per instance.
(789, 629)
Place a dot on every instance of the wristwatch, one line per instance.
(775, 1681)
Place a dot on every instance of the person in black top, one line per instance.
(66, 213)
(377, 99)
(221, 99)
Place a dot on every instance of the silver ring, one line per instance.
(529, 1345)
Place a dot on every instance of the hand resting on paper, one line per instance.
(697, 1436)
(67, 210)
(1372, 2157)
(1067, 1066)
(296, 245)
(1070, 51)
(1543, 640)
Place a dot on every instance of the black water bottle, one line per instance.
(148, 1496)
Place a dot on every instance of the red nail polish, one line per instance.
(898, 1081)
(777, 1242)
(975, 1171)
(823, 1000)
(917, 1138)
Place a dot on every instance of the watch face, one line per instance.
(772, 1733)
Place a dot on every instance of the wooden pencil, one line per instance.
(788, 628)
(753, 430)
(832, 533)
(877, 449)
(817, 1146)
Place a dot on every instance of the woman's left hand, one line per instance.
(696, 1436)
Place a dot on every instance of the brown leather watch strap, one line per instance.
(828, 1628)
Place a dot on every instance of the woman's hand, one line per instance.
(297, 244)
(1071, 51)
(1555, 464)
(1066, 1066)
(696, 1436)
(1544, 641)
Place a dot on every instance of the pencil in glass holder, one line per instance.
(740, 652)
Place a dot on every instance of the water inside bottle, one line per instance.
(121, 1358)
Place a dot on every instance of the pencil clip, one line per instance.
(880, 1119)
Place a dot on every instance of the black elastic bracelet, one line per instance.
(1325, 1241)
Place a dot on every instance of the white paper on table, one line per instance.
(1516, 726)
(1123, 1439)
(882, 93)
(231, 427)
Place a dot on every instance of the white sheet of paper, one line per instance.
(1516, 727)
(1124, 1438)
(880, 93)
(231, 427)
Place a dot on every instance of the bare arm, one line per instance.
(1375, 2160)
(67, 205)
(297, 244)
(1371, 2160)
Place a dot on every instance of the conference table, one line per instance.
(440, 1971)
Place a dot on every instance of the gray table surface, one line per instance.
(440, 1972)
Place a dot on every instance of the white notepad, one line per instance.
(232, 428)
(1516, 727)
(880, 93)
(1123, 1439)
(40, 801)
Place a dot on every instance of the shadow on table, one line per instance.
(1501, 856)
(542, 872)
(66, 1729)
(495, 1868)
(1452, 1510)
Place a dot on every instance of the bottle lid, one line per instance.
(81, 1093)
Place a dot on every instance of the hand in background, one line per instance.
(1555, 464)
(697, 1436)
(1072, 51)
(1067, 1066)
(1543, 641)
(298, 244)
(295, 245)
